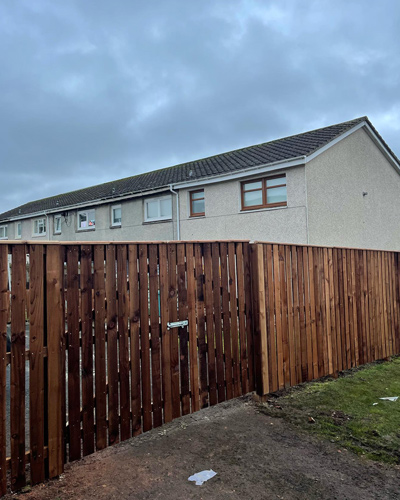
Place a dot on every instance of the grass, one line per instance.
(343, 410)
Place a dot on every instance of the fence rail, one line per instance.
(94, 362)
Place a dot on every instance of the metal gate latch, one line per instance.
(177, 324)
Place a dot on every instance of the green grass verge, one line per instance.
(343, 410)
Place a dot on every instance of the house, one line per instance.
(338, 185)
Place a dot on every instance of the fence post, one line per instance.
(259, 319)
(55, 345)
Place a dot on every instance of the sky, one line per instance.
(93, 90)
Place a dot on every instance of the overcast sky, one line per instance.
(94, 90)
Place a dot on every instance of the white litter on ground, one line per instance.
(393, 398)
(374, 404)
(202, 477)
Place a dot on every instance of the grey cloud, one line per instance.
(93, 91)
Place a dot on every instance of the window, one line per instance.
(158, 209)
(197, 203)
(18, 230)
(116, 216)
(264, 193)
(86, 220)
(39, 227)
(57, 224)
(3, 232)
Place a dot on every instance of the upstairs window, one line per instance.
(18, 231)
(39, 227)
(3, 232)
(116, 216)
(86, 220)
(264, 193)
(158, 209)
(57, 224)
(197, 203)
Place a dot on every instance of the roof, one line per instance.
(288, 148)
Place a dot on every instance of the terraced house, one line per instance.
(337, 185)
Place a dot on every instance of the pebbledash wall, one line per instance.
(347, 196)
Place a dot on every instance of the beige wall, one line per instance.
(132, 227)
(224, 219)
(338, 213)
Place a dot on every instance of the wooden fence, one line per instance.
(91, 346)
(102, 364)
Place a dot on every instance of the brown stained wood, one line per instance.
(217, 321)
(355, 312)
(303, 340)
(322, 283)
(144, 337)
(3, 349)
(173, 316)
(112, 347)
(382, 345)
(333, 312)
(394, 300)
(165, 334)
(183, 332)
(201, 332)
(193, 349)
(328, 329)
(336, 294)
(306, 271)
(388, 315)
(296, 313)
(74, 389)
(155, 335)
(291, 332)
(260, 320)
(362, 341)
(284, 319)
(87, 349)
(367, 306)
(226, 321)
(55, 362)
(211, 368)
(17, 374)
(123, 308)
(373, 307)
(242, 318)
(384, 306)
(234, 319)
(36, 364)
(314, 343)
(396, 278)
(134, 320)
(346, 309)
(341, 310)
(249, 315)
(100, 345)
(270, 311)
(318, 301)
(390, 305)
(278, 317)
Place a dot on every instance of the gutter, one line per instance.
(176, 193)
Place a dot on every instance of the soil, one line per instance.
(255, 456)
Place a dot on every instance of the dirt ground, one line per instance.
(255, 457)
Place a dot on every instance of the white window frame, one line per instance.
(57, 217)
(159, 199)
(113, 223)
(44, 222)
(5, 228)
(18, 236)
(86, 212)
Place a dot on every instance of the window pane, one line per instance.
(152, 209)
(82, 220)
(252, 199)
(117, 215)
(276, 195)
(276, 182)
(57, 225)
(196, 196)
(198, 206)
(19, 229)
(165, 207)
(252, 185)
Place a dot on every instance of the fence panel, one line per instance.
(123, 337)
